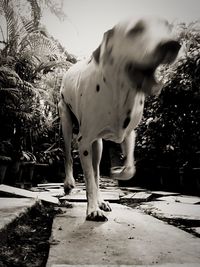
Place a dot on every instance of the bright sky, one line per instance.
(87, 20)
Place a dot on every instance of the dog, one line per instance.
(106, 94)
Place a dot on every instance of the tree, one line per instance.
(28, 54)
(169, 132)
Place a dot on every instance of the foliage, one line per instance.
(31, 65)
(53, 156)
(169, 132)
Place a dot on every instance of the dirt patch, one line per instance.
(25, 242)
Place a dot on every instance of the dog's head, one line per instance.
(138, 47)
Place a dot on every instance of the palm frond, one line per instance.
(39, 45)
(50, 66)
(17, 27)
(35, 12)
(26, 27)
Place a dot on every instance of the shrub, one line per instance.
(169, 133)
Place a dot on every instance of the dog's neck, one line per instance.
(123, 93)
(114, 72)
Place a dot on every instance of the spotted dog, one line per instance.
(105, 95)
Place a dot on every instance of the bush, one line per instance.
(169, 134)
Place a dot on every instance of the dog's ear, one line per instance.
(106, 37)
(96, 54)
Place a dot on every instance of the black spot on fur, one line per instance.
(97, 87)
(127, 97)
(126, 122)
(89, 60)
(111, 61)
(85, 153)
(79, 139)
(104, 79)
(141, 102)
(62, 96)
(70, 106)
(129, 112)
(110, 51)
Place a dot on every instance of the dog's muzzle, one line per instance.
(143, 76)
(166, 52)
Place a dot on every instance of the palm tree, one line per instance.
(28, 53)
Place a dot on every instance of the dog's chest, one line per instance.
(105, 107)
(127, 112)
(111, 112)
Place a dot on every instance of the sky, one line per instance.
(81, 32)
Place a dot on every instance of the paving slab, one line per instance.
(11, 208)
(56, 192)
(164, 193)
(133, 189)
(181, 199)
(196, 230)
(80, 196)
(137, 197)
(129, 237)
(50, 185)
(18, 192)
(107, 181)
(174, 210)
(108, 265)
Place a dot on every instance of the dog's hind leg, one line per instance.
(66, 123)
(97, 148)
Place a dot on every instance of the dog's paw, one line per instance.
(104, 205)
(123, 172)
(97, 216)
(69, 184)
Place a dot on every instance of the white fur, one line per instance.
(101, 96)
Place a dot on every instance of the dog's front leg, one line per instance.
(93, 211)
(128, 147)
(97, 148)
(128, 170)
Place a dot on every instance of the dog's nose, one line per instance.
(168, 51)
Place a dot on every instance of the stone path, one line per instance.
(11, 208)
(130, 237)
(138, 235)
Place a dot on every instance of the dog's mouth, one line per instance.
(143, 78)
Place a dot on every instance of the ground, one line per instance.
(25, 242)
(132, 235)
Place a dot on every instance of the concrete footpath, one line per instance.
(129, 237)
(161, 229)
(12, 208)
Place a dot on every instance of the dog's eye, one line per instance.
(138, 29)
